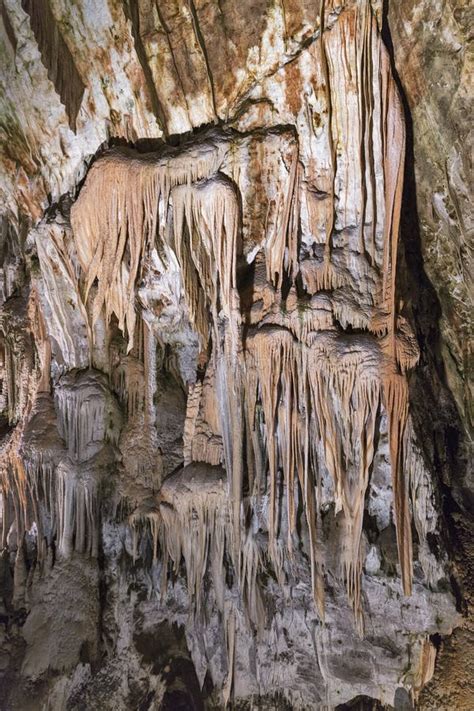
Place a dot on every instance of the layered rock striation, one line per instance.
(215, 490)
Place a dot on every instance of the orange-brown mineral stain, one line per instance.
(293, 87)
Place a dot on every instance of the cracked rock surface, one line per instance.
(234, 355)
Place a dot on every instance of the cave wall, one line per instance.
(235, 355)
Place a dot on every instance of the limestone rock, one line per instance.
(222, 469)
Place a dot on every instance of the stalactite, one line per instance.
(41, 450)
(275, 364)
(366, 71)
(252, 564)
(128, 381)
(345, 393)
(281, 244)
(230, 399)
(81, 421)
(196, 527)
(106, 232)
(42, 341)
(86, 413)
(16, 509)
(13, 480)
(393, 165)
(209, 211)
(77, 506)
(40, 476)
(325, 277)
(145, 520)
(395, 389)
(196, 514)
(321, 277)
(276, 377)
(340, 381)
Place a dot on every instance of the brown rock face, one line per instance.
(233, 437)
(436, 86)
(434, 60)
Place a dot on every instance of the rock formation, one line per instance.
(219, 486)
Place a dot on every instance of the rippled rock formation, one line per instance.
(231, 463)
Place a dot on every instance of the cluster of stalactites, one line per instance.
(116, 217)
(205, 224)
(14, 488)
(199, 531)
(326, 390)
(82, 421)
(45, 490)
(53, 500)
(25, 357)
(78, 511)
(192, 524)
(130, 202)
(26, 366)
(312, 386)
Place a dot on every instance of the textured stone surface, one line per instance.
(434, 61)
(218, 457)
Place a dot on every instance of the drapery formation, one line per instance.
(288, 277)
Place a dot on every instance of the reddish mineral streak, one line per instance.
(286, 382)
